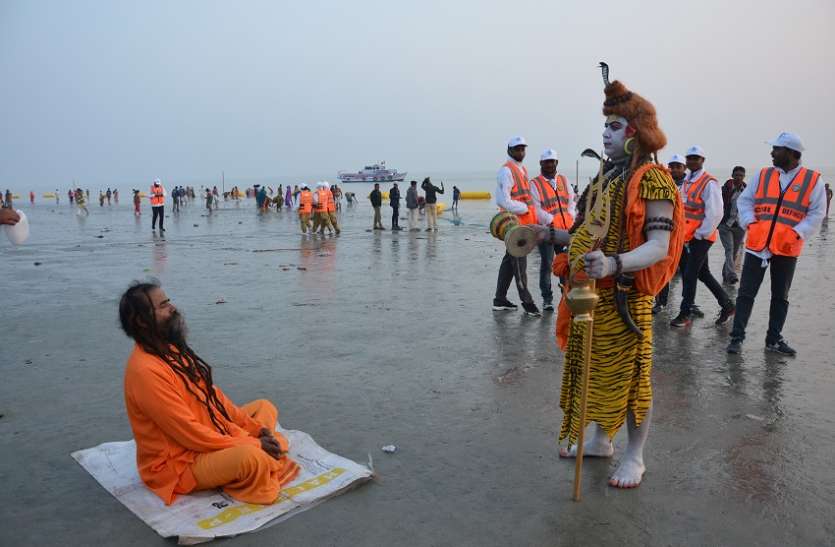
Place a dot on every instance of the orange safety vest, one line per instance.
(157, 195)
(322, 205)
(555, 202)
(521, 191)
(777, 212)
(694, 207)
(330, 204)
(305, 202)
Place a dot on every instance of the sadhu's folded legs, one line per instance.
(247, 473)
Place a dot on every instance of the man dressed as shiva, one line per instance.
(631, 260)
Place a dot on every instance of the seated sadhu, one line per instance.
(189, 435)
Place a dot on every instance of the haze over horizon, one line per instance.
(103, 91)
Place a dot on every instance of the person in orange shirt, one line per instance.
(189, 435)
(305, 209)
(331, 207)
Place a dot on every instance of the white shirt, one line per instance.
(806, 228)
(503, 187)
(543, 216)
(712, 197)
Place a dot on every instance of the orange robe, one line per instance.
(176, 439)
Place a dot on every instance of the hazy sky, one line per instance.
(112, 92)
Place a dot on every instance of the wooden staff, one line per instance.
(582, 300)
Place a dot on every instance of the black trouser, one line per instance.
(782, 273)
(395, 216)
(664, 294)
(158, 212)
(697, 269)
(513, 268)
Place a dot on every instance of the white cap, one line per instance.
(157, 181)
(548, 154)
(516, 141)
(304, 185)
(788, 140)
(677, 158)
(695, 150)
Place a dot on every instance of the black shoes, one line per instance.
(682, 320)
(505, 304)
(725, 315)
(782, 348)
(531, 309)
(547, 306)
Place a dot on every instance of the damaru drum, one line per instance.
(519, 240)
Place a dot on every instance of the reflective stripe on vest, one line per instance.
(555, 202)
(521, 191)
(778, 211)
(694, 207)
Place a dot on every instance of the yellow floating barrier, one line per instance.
(48, 195)
(476, 195)
(439, 207)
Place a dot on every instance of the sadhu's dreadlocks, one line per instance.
(138, 319)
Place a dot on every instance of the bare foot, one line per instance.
(628, 474)
(596, 447)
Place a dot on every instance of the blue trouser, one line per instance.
(546, 255)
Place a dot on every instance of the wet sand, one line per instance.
(375, 338)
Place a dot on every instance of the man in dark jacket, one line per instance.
(394, 201)
(431, 203)
(377, 202)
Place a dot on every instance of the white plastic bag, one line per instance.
(18, 233)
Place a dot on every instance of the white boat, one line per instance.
(373, 173)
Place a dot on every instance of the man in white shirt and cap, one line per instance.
(554, 202)
(781, 210)
(703, 210)
(513, 194)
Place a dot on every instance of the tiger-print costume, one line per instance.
(621, 363)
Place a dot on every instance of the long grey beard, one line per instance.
(176, 330)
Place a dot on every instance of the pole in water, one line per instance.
(223, 181)
(577, 176)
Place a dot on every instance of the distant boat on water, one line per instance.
(372, 173)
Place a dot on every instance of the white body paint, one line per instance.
(615, 138)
